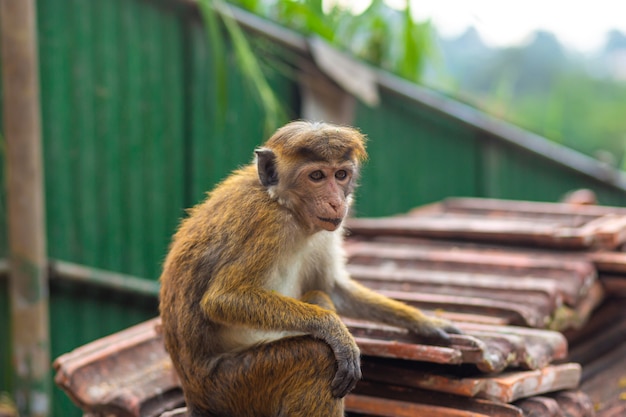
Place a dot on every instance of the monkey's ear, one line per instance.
(266, 166)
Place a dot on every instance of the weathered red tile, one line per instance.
(125, 374)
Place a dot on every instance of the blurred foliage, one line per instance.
(382, 36)
(7, 406)
(540, 86)
(215, 13)
(574, 99)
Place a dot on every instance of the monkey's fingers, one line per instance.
(451, 328)
(347, 376)
(435, 331)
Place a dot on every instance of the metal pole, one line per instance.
(28, 287)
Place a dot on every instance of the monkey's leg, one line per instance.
(289, 377)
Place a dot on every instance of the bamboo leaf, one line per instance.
(214, 11)
(252, 71)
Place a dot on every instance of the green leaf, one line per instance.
(251, 69)
(212, 12)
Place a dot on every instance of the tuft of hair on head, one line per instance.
(317, 140)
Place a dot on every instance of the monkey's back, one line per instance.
(204, 251)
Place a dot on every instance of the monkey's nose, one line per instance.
(335, 205)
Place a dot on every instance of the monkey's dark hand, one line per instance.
(434, 330)
(348, 368)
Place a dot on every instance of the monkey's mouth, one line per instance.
(334, 222)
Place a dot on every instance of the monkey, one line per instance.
(255, 280)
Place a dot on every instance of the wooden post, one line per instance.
(28, 288)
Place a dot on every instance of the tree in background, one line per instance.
(385, 37)
(576, 100)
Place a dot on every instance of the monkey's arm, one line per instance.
(354, 300)
(268, 310)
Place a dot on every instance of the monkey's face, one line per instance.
(311, 169)
(325, 194)
(318, 193)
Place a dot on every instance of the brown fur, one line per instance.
(253, 276)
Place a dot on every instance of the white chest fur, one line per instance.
(306, 268)
(310, 266)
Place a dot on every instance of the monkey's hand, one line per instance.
(347, 354)
(433, 329)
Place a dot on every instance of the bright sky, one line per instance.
(581, 24)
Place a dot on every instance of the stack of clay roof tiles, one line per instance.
(521, 280)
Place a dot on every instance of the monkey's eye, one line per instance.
(316, 175)
(342, 174)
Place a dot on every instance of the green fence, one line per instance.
(420, 155)
(131, 140)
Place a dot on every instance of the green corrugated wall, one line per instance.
(419, 156)
(112, 104)
(131, 140)
(415, 157)
(511, 173)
